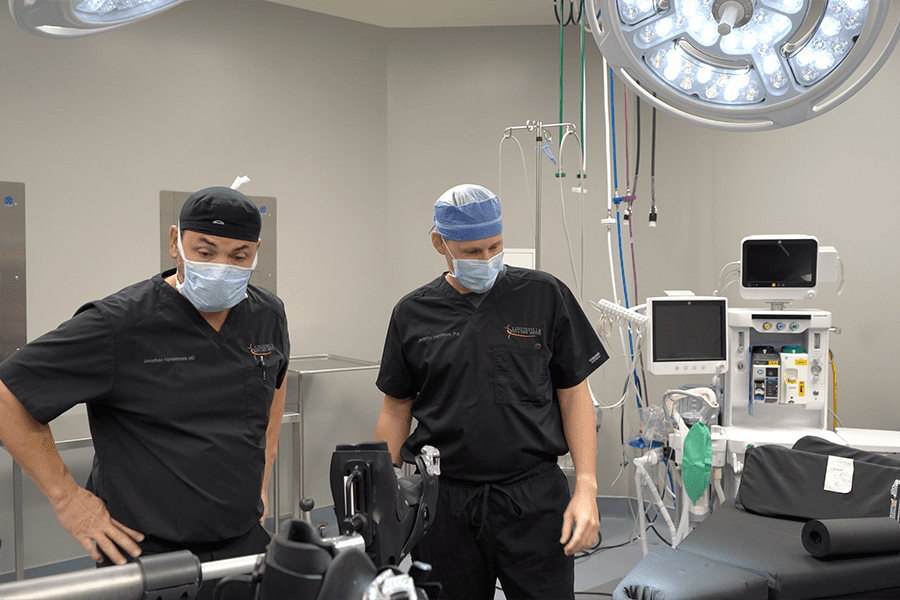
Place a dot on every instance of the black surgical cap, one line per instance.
(223, 212)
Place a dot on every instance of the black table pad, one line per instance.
(773, 548)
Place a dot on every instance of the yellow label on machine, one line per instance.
(802, 361)
(774, 362)
(802, 388)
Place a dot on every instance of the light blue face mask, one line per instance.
(213, 287)
(477, 276)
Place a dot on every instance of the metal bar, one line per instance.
(218, 569)
(299, 456)
(568, 126)
(537, 197)
(276, 502)
(75, 444)
(18, 522)
(360, 365)
(296, 451)
(124, 582)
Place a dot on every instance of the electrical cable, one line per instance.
(583, 97)
(612, 113)
(571, 19)
(617, 199)
(833, 389)
(560, 175)
(653, 172)
(561, 26)
(609, 139)
(531, 210)
(583, 172)
(627, 157)
(637, 160)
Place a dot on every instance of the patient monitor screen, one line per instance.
(687, 334)
(779, 263)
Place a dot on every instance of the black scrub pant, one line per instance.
(254, 541)
(508, 531)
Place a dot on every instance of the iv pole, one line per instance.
(540, 133)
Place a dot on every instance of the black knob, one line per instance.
(354, 524)
(307, 504)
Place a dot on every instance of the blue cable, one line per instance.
(625, 290)
(612, 109)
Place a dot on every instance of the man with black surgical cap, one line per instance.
(183, 378)
(492, 362)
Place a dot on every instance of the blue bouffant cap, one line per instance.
(467, 212)
(221, 211)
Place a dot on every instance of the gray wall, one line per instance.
(356, 129)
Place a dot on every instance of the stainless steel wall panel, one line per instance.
(12, 268)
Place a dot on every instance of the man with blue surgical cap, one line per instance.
(183, 378)
(492, 361)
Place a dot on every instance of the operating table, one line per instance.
(737, 554)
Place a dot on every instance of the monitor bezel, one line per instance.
(693, 366)
(774, 290)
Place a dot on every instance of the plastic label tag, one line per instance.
(839, 475)
(895, 513)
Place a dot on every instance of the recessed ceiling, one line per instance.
(436, 13)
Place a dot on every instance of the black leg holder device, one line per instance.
(294, 568)
(390, 514)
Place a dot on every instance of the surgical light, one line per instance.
(77, 18)
(747, 65)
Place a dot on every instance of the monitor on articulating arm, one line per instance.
(779, 268)
(687, 335)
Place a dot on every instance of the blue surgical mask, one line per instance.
(213, 287)
(477, 276)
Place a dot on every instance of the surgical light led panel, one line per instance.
(741, 64)
(77, 18)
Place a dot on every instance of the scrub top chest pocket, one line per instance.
(259, 388)
(521, 374)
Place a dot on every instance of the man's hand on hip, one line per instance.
(86, 518)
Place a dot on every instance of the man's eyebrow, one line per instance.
(205, 240)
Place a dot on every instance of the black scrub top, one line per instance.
(483, 379)
(178, 411)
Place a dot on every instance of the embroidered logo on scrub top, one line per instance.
(261, 349)
(526, 332)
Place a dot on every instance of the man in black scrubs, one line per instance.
(492, 362)
(183, 378)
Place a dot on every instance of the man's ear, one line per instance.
(438, 242)
(173, 241)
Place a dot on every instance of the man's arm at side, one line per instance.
(273, 430)
(581, 434)
(393, 425)
(83, 514)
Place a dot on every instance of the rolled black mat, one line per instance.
(851, 537)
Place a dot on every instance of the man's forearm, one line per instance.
(32, 446)
(393, 425)
(580, 430)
